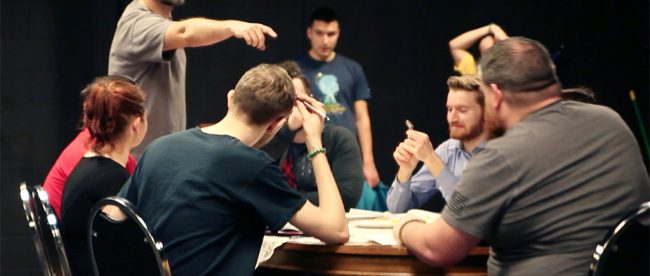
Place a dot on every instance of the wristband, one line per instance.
(316, 151)
(408, 218)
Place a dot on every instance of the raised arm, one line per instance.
(196, 32)
(460, 44)
(326, 222)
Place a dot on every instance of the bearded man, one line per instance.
(545, 193)
(442, 167)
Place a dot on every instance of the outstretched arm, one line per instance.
(196, 32)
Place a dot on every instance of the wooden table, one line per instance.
(367, 259)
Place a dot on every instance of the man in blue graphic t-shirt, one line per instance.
(339, 83)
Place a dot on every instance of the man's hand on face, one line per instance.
(294, 122)
(312, 122)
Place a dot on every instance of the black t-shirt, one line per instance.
(208, 198)
(343, 155)
(92, 179)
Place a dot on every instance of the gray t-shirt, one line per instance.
(548, 191)
(137, 52)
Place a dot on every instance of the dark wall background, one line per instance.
(51, 49)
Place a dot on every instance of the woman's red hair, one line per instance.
(109, 104)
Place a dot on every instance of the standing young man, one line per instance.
(339, 82)
(148, 46)
(208, 193)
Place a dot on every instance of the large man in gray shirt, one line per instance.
(148, 47)
(545, 193)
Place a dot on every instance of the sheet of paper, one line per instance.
(355, 214)
(358, 235)
(381, 236)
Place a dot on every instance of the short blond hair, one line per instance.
(468, 83)
(264, 93)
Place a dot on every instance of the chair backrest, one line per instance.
(120, 242)
(626, 248)
(44, 225)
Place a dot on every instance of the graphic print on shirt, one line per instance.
(328, 84)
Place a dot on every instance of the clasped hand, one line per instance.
(416, 147)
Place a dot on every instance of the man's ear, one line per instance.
(230, 96)
(277, 123)
(308, 32)
(498, 95)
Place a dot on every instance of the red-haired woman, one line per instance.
(114, 114)
(70, 156)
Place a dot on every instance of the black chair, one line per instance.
(43, 223)
(120, 242)
(626, 249)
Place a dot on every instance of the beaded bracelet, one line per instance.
(316, 151)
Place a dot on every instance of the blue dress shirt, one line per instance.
(415, 192)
